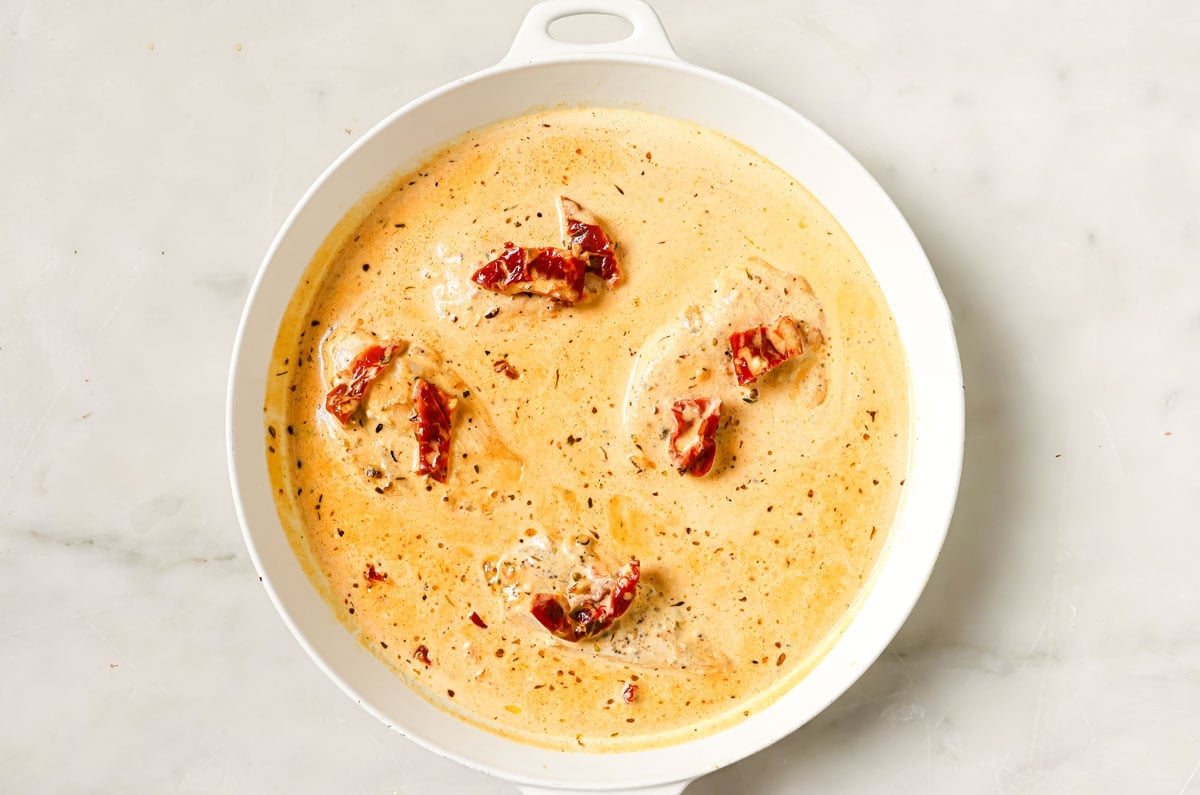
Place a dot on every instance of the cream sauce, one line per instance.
(560, 474)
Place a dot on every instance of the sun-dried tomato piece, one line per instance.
(477, 620)
(590, 615)
(586, 239)
(375, 575)
(504, 367)
(433, 410)
(422, 654)
(629, 694)
(351, 385)
(693, 443)
(757, 350)
(551, 272)
(552, 611)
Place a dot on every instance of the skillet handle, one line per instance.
(662, 789)
(533, 41)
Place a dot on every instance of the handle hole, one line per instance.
(590, 29)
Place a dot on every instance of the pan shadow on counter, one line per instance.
(941, 637)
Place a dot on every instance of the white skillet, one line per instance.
(640, 71)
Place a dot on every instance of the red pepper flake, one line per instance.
(505, 367)
(757, 350)
(629, 694)
(433, 411)
(586, 239)
(588, 617)
(375, 575)
(477, 621)
(422, 654)
(551, 272)
(351, 385)
(693, 444)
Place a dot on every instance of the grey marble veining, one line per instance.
(1048, 157)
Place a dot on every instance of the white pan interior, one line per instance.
(675, 89)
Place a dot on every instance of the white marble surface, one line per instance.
(1048, 156)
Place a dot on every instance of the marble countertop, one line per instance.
(1048, 157)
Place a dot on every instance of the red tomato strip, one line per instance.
(352, 384)
(757, 350)
(551, 272)
(432, 415)
(589, 242)
(590, 616)
(693, 444)
(583, 236)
